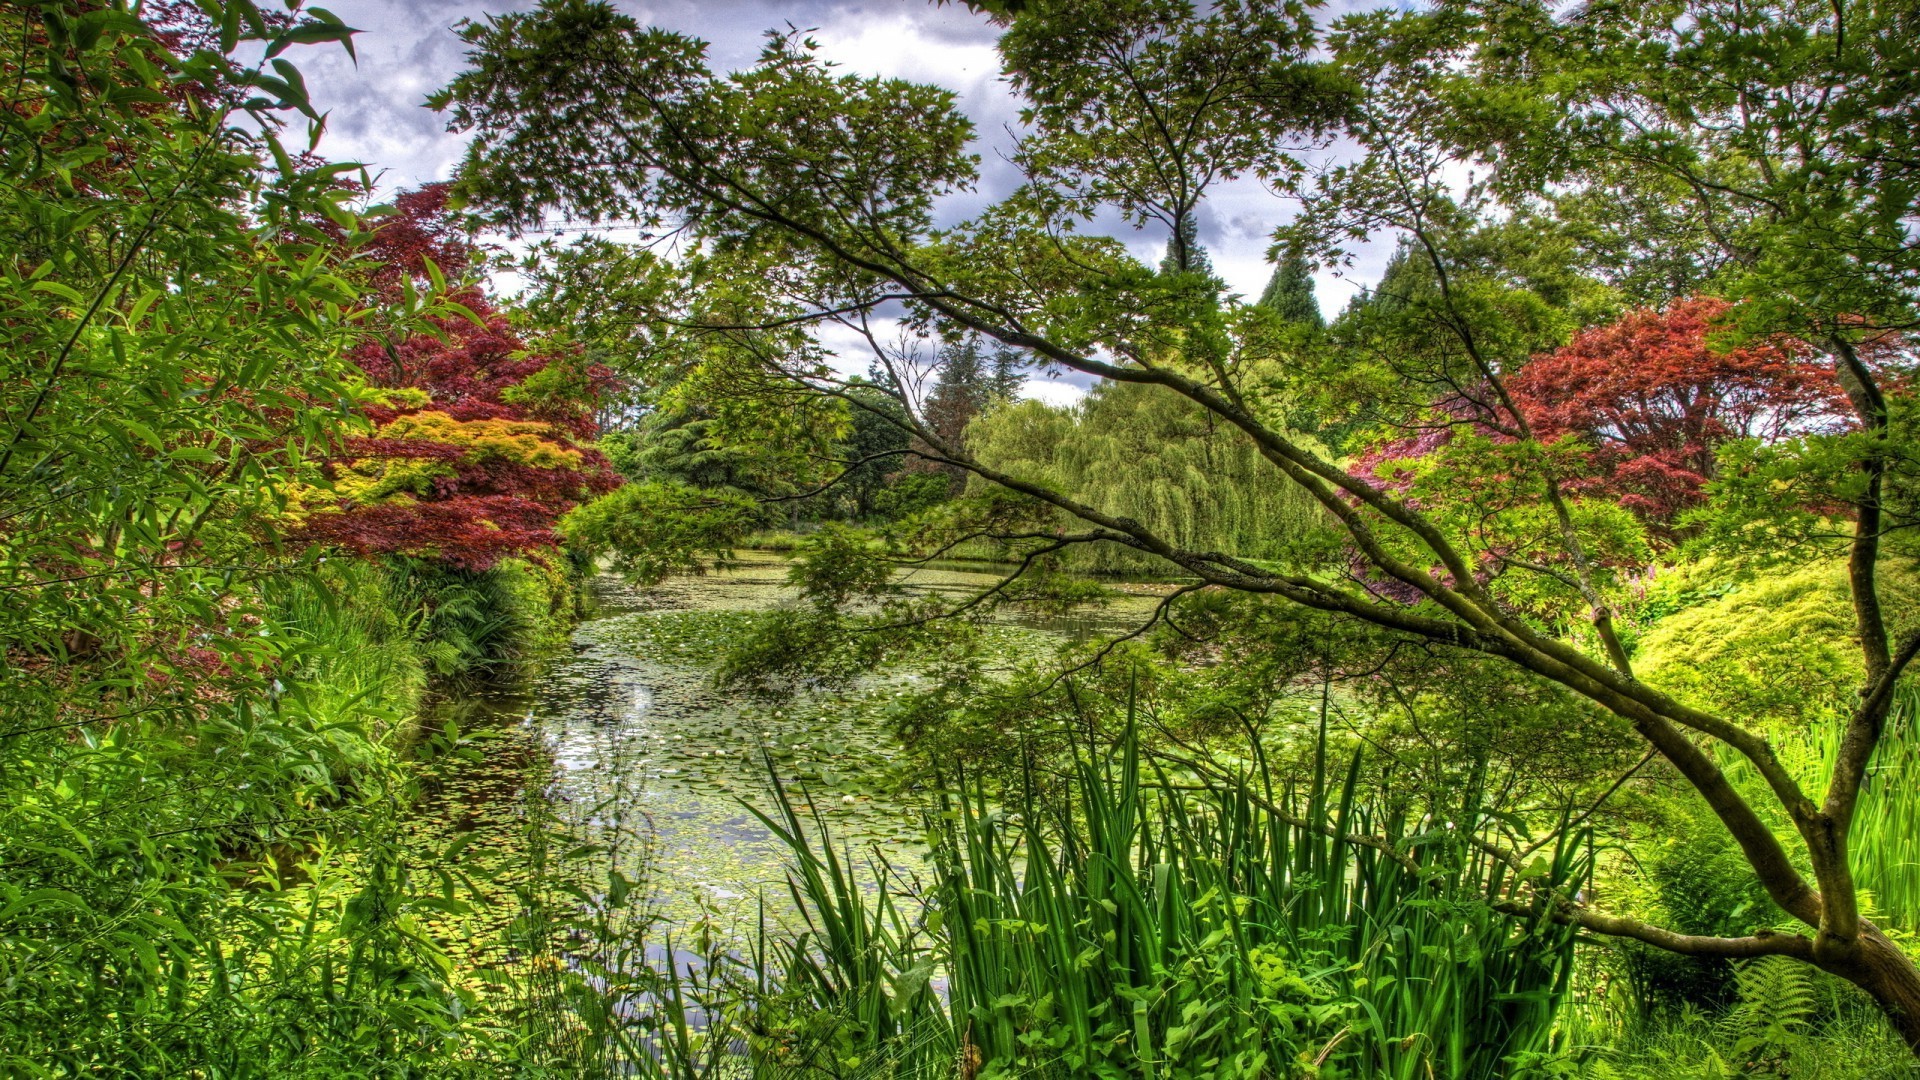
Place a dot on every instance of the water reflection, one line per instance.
(638, 739)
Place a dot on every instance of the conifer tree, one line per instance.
(1289, 292)
(1184, 253)
(1005, 382)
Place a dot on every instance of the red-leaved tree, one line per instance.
(1652, 399)
(1655, 400)
(479, 444)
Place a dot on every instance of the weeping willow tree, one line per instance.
(1158, 459)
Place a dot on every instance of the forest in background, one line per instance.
(1527, 690)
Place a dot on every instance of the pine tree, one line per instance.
(1404, 279)
(1289, 293)
(1184, 253)
(961, 392)
(1007, 378)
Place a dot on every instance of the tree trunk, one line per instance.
(1889, 975)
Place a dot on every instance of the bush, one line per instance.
(219, 891)
(476, 624)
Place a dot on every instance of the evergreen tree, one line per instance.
(1404, 279)
(962, 391)
(1007, 378)
(1184, 253)
(874, 432)
(1289, 293)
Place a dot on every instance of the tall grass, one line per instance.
(1233, 929)
(1145, 925)
(1885, 838)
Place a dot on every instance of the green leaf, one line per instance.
(64, 292)
(144, 433)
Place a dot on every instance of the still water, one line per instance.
(628, 734)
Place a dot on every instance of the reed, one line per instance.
(1132, 922)
(1886, 826)
(1235, 929)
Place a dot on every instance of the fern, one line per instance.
(1775, 1013)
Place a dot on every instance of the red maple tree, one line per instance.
(1655, 400)
(1652, 398)
(481, 442)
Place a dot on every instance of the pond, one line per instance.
(628, 735)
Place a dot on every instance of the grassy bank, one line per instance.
(220, 880)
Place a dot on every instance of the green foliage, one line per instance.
(598, 292)
(1886, 829)
(1484, 492)
(482, 624)
(1787, 1021)
(1130, 451)
(1290, 295)
(1769, 1025)
(912, 495)
(837, 565)
(1694, 880)
(230, 895)
(1137, 931)
(205, 740)
(1141, 929)
(875, 450)
(1776, 643)
(655, 528)
(1211, 936)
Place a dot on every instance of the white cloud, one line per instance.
(1056, 392)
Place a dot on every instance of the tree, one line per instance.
(1136, 108)
(875, 449)
(962, 390)
(594, 294)
(475, 449)
(1655, 400)
(1289, 292)
(1184, 255)
(1157, 459)
(1651, 403)
(174, 349)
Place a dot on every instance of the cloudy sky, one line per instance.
(409, 49)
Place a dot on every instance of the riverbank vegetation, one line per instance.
(209, 722)
(1505, 675)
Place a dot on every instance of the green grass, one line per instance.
(1790, 1021)
(1141, 925)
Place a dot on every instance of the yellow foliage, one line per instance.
(522, 441)
(401, 397)
(1775, 646)
(369, 480)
